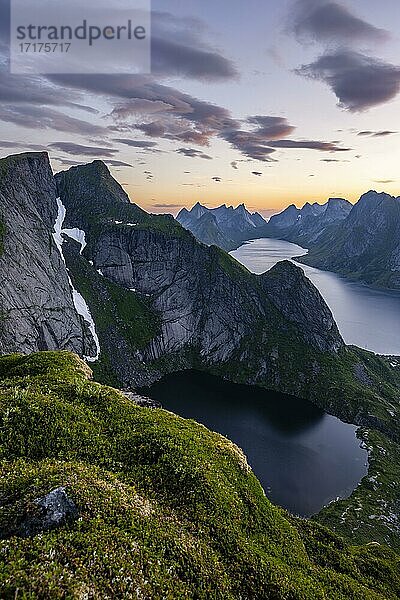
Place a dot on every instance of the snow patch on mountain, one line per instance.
(79, 302)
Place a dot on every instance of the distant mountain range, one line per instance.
(360, 241)
(225, 226)
(365, 245)
(305, 225)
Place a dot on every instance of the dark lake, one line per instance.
(303, 457)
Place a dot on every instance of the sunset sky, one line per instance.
(266, 102)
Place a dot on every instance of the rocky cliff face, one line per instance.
(158, 301)
(36, 305)
(209, 307)
(364, 246)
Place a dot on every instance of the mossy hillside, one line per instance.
(370, 266)
(333, 381)
(167, 508)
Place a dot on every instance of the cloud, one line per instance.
(37, 117)
(180, 116)
(383, 133)
(171, 58)
(136, 143)
(358, 81)
(112, 163)
(257, 173)
(309, 145)
(171, 206)
(177, 116)
(193, 153)
(34, 147)
(234, 165)
(268, 135)
(326, 21)
(271, 128)
(117, 163)
(180, 48)
(79, 149)
(384, 180)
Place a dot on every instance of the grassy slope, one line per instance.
(167, 508)
(337, 389)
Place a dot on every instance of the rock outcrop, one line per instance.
(36, 305)
(48, 512)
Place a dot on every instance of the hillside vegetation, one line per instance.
(165, 508)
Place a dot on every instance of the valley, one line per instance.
(142, 297)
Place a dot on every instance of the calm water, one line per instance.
(303, 457)
(366, 317)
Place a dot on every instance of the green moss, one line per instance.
(167, 509)
(232, 267)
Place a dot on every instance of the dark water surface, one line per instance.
(367, 317)
(303, 457)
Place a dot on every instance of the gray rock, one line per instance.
(142, 401)
(224, 226)
(54, 510)
(36, 306)
(210, 307)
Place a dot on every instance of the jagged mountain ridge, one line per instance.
(223, 226)
(201, 309)
(161, 301)
(304, 226)
(207, 301)
(364, 246)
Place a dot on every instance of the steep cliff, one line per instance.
(160, 301)
(366, 245)
(208, 305)
(37, 311)
(163, 302)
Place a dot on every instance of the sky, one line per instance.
(266, 102)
